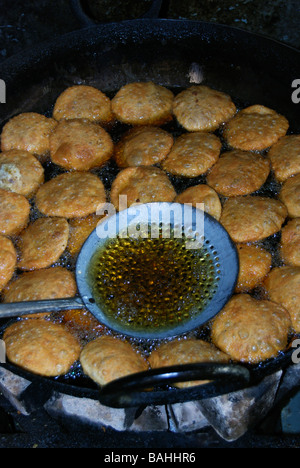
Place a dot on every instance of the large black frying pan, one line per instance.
(251, 68)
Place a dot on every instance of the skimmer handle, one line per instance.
(16, 309)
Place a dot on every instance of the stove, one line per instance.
(31, 416)
(59, 420)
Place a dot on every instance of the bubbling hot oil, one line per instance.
(145, 283)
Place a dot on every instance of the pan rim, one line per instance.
(87, 33)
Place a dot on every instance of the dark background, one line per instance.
(23, 24)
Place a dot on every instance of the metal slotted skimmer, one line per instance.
(154, 271)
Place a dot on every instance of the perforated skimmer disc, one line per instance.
(157, 270)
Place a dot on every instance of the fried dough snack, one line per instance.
(142, 184)
(290, 195)
(192, 154)
(54, 176)
(14, 212)
(202, 193)
(251, 330)
(143, 146)
(80, 145)
(83, 102)
(42, 243)
(71, 195)
(48, 283)
(29, 131)
(107, 358)
(255, 264)
(255, 128)
(238, 173)
(200, 108)
(252, 218)
(283, 287)
(41, 347)
(80, 229)
(8, 260)
(285, 157)
(143, 103)
(20, 172)
(186, 351)
(290, 242)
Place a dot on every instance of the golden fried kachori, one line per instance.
(290, 195)
(108, 358)
(251, 330)
(255, 128)
(48, 283)
(143, 103)
(199, 108)
(186, 351)
(201, 193)
(283, 287)
(80, 229)
(29, 131)
(80, 145)
(14, 212)
(285, 157)
(42, 243)
(255, 263)
(83, 102)
(143, 146)
(41, 346)
(192, 154)
(290, 242)
(252, 218)
(142, 184)
(71, 195)
(205, 136)
(8, 260)
(238, 173)
(20, 172)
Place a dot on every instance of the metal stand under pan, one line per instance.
(230, 415)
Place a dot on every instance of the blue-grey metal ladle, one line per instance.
(199, 229)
